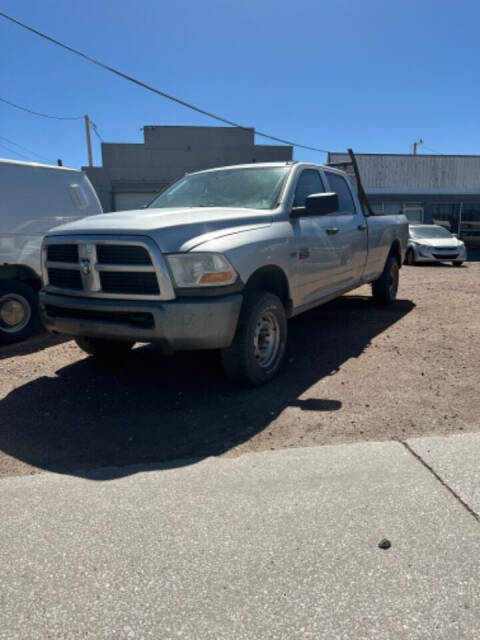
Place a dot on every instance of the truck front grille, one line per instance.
(65, 278)
(62, 253)
(144, 282)
(122, 254)
(96, 268)
(445, 256)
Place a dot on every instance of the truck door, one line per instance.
(316, 253)
(351, 237)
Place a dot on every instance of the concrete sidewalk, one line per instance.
(268, 545)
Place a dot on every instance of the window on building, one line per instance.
(309, 182)
(413, 212)
(469, 230)
(339, 185)
(390, 208)
(445, 214)
(377, 207)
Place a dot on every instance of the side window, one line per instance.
(308, 183)
(340, 186)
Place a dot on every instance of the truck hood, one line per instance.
(175, 229)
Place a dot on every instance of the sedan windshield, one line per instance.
(429, 232)
(253, 188)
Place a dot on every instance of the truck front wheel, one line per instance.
(385, 289)
(105, 350)
(258, 347)
(19, 314)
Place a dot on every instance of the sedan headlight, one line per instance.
(201, 270)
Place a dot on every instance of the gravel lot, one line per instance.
(353, 372)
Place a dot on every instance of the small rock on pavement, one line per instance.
(384, 544)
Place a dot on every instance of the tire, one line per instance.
(258, 348)
(410, 258)
(385, 289)
(104, 350)
(19, 312)
(458, 263)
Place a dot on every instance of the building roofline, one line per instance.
(409, 155)
(195, 126)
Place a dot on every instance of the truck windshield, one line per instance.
(253, 188)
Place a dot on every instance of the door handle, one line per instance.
(332, 230)
(362, 227)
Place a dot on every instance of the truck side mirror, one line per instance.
(317, 204)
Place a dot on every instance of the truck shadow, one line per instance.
(176, 410)
(42, 340)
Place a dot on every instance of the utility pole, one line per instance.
(89, 142)
(415, 145)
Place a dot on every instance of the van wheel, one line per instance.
(258, 347)
(385, 289)
(19, 312)
(458, 263)
(104, 350)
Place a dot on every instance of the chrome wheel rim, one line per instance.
(15, 313)
(266, 339)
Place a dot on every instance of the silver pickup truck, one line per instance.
(219, 260)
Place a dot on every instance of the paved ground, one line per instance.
(268, 545)
(354, 372)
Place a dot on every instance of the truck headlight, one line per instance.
(201, 270)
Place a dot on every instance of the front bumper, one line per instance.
(430, 254)
(177, 325)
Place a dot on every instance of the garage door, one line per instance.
(125, 201)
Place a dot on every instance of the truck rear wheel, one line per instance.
(102, 349)
(19, 313)
(385, 289)
(258, 347)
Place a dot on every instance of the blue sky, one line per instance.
(372, 74)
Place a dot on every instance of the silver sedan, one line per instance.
(433, 243)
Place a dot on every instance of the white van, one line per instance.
(33, 199)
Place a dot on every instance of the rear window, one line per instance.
(339, 185)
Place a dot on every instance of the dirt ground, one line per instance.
(353, 372)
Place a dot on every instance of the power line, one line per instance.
(95, 131)
(20, 155)
(434, 150)
(153, 89)
(37, 113)
(26, 149)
